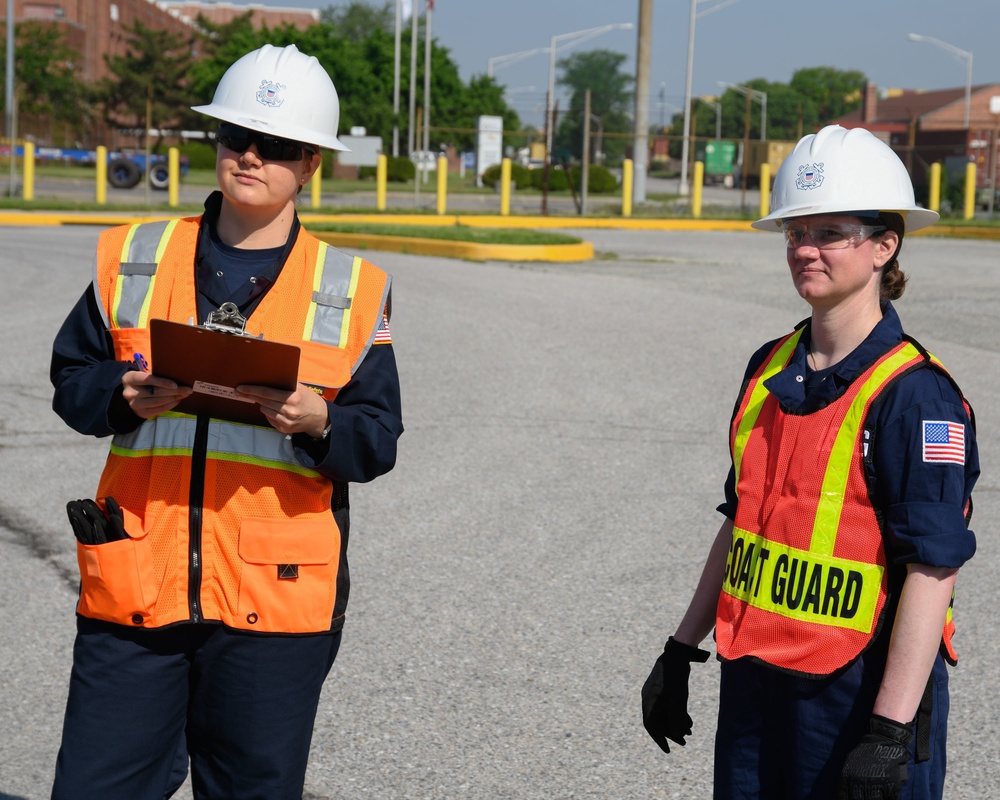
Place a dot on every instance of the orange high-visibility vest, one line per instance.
(225, 523)
(805, 583)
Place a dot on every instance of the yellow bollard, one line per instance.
(627, 167)
(101, 194)
(505, 187)
(442, 185)
(696, 187)
(28, 190)
(316, 187)
(765, 189)
(934, 199)
(970, 191)
(173, 177)
(381, 179)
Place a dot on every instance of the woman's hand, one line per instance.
(148, 396)
(300, 411)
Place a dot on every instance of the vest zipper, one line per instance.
(196, 498)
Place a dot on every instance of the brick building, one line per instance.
(219, 13)
(928, 127)
(95, 28)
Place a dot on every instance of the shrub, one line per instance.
(491, 175)
(557, 179)
(600, 180)
(200, 154)
(519, 175)
(400, 169)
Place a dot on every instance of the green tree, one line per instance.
(51, 101)
(815, 97)
(152, 71)
(358, 20)
(610, 100)
(828, 93)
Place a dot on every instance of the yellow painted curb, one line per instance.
(581, 251)
(41, 218)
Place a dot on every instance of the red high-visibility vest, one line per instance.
(805, 583)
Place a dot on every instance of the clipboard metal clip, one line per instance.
(227, 319)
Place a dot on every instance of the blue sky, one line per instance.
(747, 39)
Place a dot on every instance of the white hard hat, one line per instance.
(838, 171)
(281, 92)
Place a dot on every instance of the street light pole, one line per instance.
(502, 61)
(395, 85)
(955, 51)
(755, 95)
(577, 37)
(686, 140)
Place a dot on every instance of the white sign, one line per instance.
(995, 104)
(489, 144)
(363, 151)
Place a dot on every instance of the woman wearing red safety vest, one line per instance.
(830, 584)
(213, 563)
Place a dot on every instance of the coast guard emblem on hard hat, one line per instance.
(269, 93)
(810, 176)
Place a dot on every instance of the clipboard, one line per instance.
(215, 363)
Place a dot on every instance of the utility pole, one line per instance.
(9, 107)
(640, 147)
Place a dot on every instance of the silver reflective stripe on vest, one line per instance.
(138, 271)
(333, 295)
(371, 336)
(173, 435)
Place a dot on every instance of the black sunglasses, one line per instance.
(271, 148)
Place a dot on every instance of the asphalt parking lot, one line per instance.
(515, 576)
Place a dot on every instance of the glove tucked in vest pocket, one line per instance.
(117, 579)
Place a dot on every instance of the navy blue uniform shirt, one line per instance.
(922, 503)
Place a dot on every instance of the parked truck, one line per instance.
(719, 158)
(125, 168)
(750, 159)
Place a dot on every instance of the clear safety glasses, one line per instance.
(828, 235)
(270, 148)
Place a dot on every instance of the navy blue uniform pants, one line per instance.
(141, 702)
(786, 738)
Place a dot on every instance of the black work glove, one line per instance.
(91, 525)
(876, 768)
(665, 694)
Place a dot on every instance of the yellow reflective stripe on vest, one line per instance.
(140, 257)
(335, 280)
(800, 585)
(831, 499)
(758, 396)
(172, 434)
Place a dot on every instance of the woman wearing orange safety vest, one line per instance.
(212, 602)
(830, 584)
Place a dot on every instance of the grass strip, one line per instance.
(456, 233)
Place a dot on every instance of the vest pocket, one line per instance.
(288, 574)
(117, 579)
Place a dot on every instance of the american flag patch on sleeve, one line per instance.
(382, 335)
(944, 442)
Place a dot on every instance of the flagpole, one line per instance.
(411, 133)
(395, 85)
(427, 83)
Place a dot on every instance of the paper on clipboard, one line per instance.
(215, 363)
